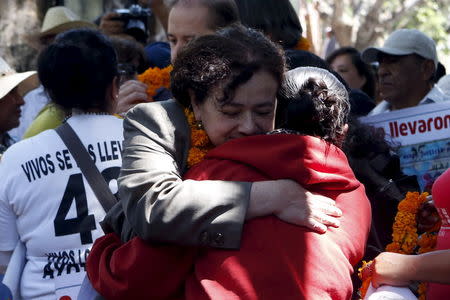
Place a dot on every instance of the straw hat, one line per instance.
(9, 79)
(59, 19)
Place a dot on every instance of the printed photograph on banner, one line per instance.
(425, 160)
(423, 136)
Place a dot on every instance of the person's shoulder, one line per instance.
(381, 107)
(152, 108)
(167, 112)
(51, 116)
(27, 147)
(436, 95)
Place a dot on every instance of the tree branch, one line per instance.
(404, 11)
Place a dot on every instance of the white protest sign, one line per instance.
(419, 124)
(424, 135)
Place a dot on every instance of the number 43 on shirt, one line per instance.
(84, 223)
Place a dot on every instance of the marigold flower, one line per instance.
(364, 287)
(199, 138)
(422, 289)
(303, 44)
(155, 78)
(200, 142)
(189, 116)
(393, 247)
(195, 156)
(405, 239)
(427, 240)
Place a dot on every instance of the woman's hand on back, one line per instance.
(291, 203)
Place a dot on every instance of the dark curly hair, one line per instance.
(226, 59)
(363, 69)
(77, 69)
(314, 102)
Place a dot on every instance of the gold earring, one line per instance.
(199, 125)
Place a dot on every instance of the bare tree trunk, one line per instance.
(18, 18)
(367, 33)
(312, 25)
(90, 10)
(342, 30)
(362, 23)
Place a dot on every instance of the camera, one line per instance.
(135, 18)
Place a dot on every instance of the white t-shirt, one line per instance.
(47, 204)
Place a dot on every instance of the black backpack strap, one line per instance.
(87, 166)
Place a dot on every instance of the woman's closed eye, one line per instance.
(265, 112)
(230, 112)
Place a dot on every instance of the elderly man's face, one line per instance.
(400, 76)
(10, 111)
(185, 23)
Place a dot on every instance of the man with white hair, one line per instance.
(407, 63)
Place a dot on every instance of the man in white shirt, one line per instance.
(407, 63)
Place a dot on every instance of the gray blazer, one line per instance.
(158, 205)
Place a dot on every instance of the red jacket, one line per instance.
(276, 259)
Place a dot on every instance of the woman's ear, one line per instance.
(195, 107)
(115, 87)
(112, 94)
(428, 69)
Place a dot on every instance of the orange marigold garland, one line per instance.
(303, 44)
(365, 279)
(155, 78)
(427, 242)
(200, 143)
(405, 238)
(404, 230)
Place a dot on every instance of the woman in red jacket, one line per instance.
(276, 259)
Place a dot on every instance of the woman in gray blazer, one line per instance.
(158, 206)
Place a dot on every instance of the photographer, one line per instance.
(115, 23)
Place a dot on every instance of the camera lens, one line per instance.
(137, 29)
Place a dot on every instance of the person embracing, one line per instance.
(232, 94)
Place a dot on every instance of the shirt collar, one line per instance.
(435, 95)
